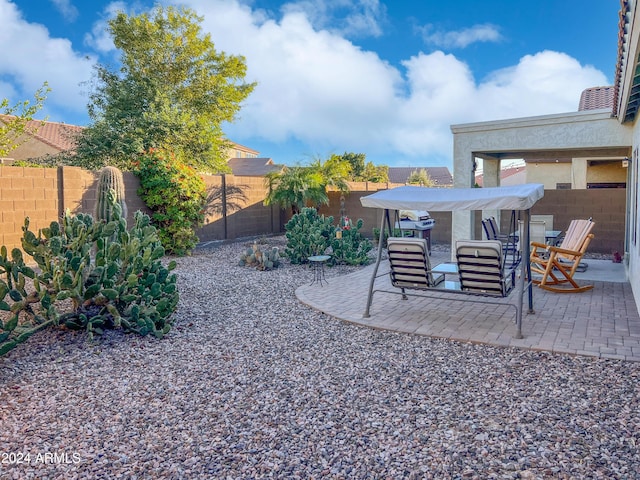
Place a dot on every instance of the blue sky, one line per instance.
(384, 78)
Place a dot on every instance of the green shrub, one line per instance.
(376, 235)
(176, 194)
(352, 248)
(308, 234)
(91, 276)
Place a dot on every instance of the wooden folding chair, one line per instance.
(563, 261)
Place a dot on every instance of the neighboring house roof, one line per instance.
(623, 46)
(249, 167)
(57, 135)
(596, 98)
(513, 175)
(440, 175)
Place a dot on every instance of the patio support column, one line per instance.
(491, 178)
(464, 168)
(579, 173)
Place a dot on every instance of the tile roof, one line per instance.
(596, 98)
(505, 174)
(252, 166)
(55, 134)
(440, 175)
(623, 50)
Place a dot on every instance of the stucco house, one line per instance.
(595, 139)
(42, 139)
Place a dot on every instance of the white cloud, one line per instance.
(460, 38)
(345, 17)
(67, 9)
(35, 57)
(546, 82)
(318, 87)
(99, 38)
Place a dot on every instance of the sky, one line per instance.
(383, 78)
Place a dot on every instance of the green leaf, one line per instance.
(75, 263)
(45, 301)
(63, 295)
(66, 281)
(110, 293)
(91, 291)
(15, 295)
(12, 323)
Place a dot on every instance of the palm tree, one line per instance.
(296, 187)
(335, 172)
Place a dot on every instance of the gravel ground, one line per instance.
(252, 384)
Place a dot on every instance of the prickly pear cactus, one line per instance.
(254, 256)
(352, 248)
(90, 276)
(308, 234)
(110, 183)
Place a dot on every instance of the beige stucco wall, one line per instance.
(633, 248)
(612, 172)
(586, 134)
(32, 148)
(549, 174)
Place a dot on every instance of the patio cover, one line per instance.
(516, 197)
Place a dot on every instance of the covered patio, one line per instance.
(603, 322)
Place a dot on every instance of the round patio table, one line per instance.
(317, 264)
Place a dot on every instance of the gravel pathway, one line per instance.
(252, 384)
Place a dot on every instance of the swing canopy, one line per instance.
(516, 197)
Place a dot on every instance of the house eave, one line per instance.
(540, 120)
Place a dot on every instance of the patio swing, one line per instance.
(483, 267)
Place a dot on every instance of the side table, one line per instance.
(317, 264)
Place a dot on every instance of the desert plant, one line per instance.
(109, 180)
(308, 234)
(91, 276)
(376, 235)
(350, 247)
(266, 259)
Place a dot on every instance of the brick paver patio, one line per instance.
(602, 322)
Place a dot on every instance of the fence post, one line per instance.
(223, 198)
(61, 205)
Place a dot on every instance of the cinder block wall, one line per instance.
(246, 215)
(26, 192)
(43, 194)
(607, 207)
(372, 217)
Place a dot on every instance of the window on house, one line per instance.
(607, 185)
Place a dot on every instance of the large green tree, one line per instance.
(172, 90)
(420, 177)
(13, 125)
(363, 171)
